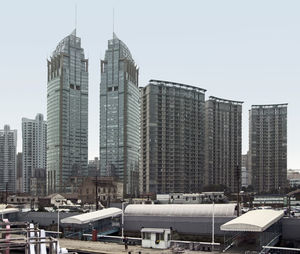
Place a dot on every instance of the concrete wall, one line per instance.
(43, 218)
(291, 229)
(184, 225)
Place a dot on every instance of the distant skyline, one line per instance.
(246, 51)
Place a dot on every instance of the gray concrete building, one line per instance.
(223, 142)
(34, 147)
(268, 147)
(172, 138)
(8, 159)
(67, 114)
(119, 116)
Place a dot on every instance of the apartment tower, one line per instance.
(223, 142)
(67, 114)
(34, 134)
(119, 116)
(172, 138)
(8, 159)
(268, 147)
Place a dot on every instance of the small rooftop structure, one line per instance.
(182, 210)
(253, 221)
(92, 216)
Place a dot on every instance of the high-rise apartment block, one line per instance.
(223, 142)
(19, 175)
(34, 134)
(172, 138)
(119, 116)
(268, 147)
(8, 159)
(67, 114)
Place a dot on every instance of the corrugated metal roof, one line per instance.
(92, 216)
(181, 210)
(253, 221)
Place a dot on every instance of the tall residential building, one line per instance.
(8, 159)
(172, 138)
(268, 146)
(119, 116)
(19, 181)
(34, 134)
(67, 114)
(223, 142)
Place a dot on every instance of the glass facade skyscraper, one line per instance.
(67, 114)
(119, 116)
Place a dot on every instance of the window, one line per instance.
(146, 236)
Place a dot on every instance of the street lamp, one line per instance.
(58, 221)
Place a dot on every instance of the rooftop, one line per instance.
(182, 210)
(174, 84)
(92, 216)
(253, 221)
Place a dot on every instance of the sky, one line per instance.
(240, 50)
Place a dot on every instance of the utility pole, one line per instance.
(238, 176)
(97, 205)
(6, 193)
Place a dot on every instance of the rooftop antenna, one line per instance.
(113, 22)
(75, 18)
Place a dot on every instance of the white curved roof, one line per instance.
(253, 221)
(181, 210)
(8, 210)
(92, 216)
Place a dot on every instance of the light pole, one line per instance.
(122, 228)
(58, 221)
(213, 225)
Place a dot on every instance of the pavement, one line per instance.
(113, 248)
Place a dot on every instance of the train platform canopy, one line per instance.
(182, 210)
(92, 216)
(253, 221)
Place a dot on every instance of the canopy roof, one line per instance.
(253, 221)
(92, 216)
(8, 210)
(180, 210)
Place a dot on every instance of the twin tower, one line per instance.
(67, 113)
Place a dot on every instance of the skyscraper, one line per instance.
(223, 142)
(268, 147)
(172, 138)
(67, 114)
(119, 116)
(34, 134)
(8, 159)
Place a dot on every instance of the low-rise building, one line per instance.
(191, 198)
(108, 190)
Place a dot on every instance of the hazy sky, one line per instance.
(240, 50)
